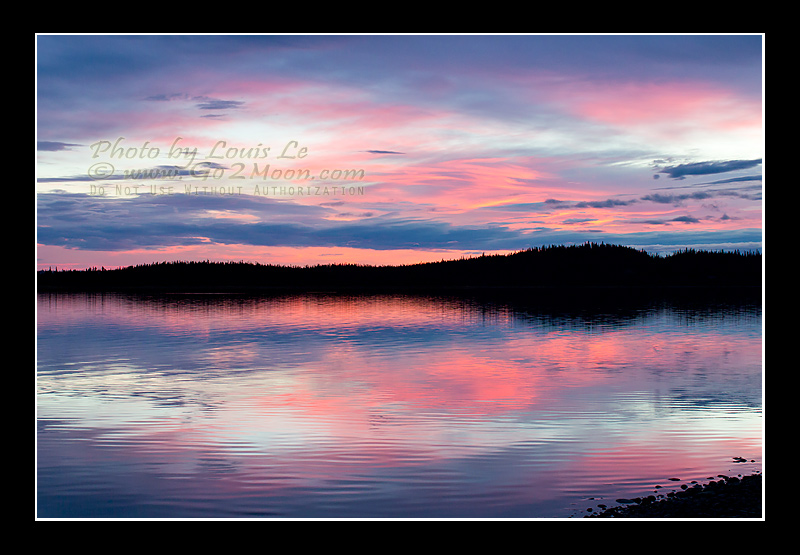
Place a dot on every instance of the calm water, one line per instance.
(383, 406)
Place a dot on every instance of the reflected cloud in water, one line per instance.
(383, 405)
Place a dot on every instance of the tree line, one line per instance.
(589, 264)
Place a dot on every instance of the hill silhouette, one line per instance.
(590, 264)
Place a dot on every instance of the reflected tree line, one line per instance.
(590, 264)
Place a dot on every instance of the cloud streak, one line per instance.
(54, 146)
(681, 171)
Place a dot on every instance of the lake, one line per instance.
(386, 406)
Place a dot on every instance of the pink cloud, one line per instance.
(459, 184)
(668, 106)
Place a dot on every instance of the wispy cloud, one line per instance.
(201, 102)
(681, 171)
(215, 104)
(54, 146)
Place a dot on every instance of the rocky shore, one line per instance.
(721, 497)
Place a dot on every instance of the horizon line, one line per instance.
(748, 252)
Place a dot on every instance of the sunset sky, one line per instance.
(389, 149)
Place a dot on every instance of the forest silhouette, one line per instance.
(589, 264)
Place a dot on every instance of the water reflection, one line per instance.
(383, 406)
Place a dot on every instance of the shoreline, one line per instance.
(738, 497)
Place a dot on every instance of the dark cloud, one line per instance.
(214, 104)
(747, 193)
(743, 179)
(608, 203)
(203, 102)
(685, 219)
(384, 152)
(676, 199)
(578, 220)
(128, 234)
(755, 193)
(734, 180)
(706, 168)
(648, 222)
(85, 222)
(518, 207)
(53, 146)
(555, 204)
(656, 221)
(147, 221)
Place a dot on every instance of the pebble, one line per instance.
(728, 497)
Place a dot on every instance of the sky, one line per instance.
(393, 149)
